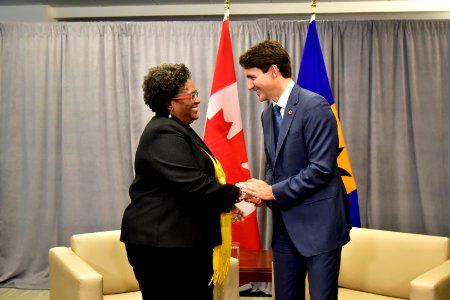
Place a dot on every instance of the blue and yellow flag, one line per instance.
(313, 76)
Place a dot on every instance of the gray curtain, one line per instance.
(71, 114)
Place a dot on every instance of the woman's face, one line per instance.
(185, 104)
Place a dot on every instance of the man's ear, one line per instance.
(274, 71)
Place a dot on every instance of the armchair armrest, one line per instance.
(71, 278)
(432, 285)
(231, 286)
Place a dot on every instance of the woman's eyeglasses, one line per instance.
(192, 96)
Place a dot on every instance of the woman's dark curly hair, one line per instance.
(163, 83)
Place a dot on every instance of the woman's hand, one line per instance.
(237, 214)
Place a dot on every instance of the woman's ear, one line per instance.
(170, 109)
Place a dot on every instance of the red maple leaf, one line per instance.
(230, 152)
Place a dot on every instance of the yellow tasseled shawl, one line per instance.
(221, 253)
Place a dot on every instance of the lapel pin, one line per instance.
(290, 112)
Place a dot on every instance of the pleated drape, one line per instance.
(71, 114)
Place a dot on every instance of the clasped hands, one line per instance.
(253, 191)
(256, 191)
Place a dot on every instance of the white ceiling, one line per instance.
(82, 9)
(78, 3)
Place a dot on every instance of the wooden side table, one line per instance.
(255, 266)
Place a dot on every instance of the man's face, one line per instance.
(260, 82)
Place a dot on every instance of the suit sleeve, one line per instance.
(176, 160)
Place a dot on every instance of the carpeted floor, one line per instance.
(21, 294)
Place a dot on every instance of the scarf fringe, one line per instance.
(221, 253)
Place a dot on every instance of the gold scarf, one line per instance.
(221, 253)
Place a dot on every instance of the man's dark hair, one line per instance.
(266, 54)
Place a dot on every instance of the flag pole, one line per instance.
(227, 10)
(313, 9)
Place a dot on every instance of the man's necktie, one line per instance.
(277, 119)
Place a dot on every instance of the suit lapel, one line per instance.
(288, 117)
(198, 140)
(194, 136)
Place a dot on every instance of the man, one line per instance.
(303, 186)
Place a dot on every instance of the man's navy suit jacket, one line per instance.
(304, 175)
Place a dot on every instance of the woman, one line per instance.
(173, 221)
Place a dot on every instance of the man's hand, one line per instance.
(259, 191)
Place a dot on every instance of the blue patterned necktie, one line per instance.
(277, 119)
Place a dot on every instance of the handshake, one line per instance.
(253, 191)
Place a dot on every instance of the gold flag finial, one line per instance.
(227, 9)
(313, 6)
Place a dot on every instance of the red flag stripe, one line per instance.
(225, 137)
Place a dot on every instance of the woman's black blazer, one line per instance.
(175, 198)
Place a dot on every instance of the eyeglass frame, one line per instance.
(192, 96)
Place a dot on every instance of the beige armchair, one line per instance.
(379, 264)
(96, 267)
(383, 265)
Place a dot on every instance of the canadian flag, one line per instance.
(225, 137)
